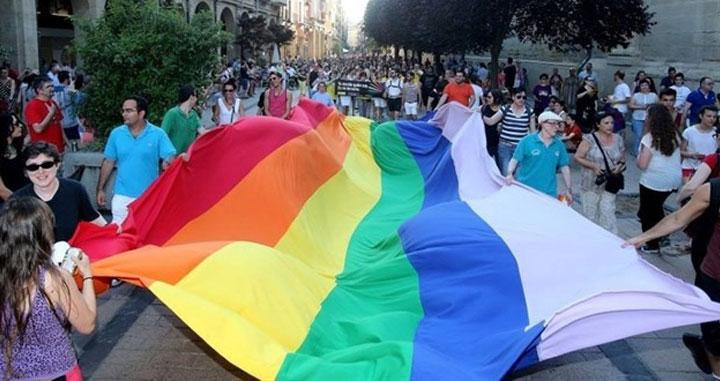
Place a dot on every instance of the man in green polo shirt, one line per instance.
(539, 155)
(181, 122)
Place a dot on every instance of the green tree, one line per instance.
(143, 48)
(454, 26)
(253, 33)
(280, 34)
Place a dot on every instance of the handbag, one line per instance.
(613, 181)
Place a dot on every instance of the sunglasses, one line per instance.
(43, 165)
(273, 78)
(521, 97)
(229, 90)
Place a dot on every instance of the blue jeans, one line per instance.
(504, 154)
(637, 127)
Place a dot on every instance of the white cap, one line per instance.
(549, 115)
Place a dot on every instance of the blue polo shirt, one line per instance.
(538, 164)
(137, 158)
(698, 101)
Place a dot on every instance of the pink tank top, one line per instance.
(276, 103)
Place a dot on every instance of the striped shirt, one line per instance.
(514, 127)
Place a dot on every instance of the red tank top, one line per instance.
(276, 103)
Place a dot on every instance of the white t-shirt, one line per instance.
(622, 92)
(394, 87)
(478, 97)
(643, 99)
(663, 173)
(699, 141)
(682, 94)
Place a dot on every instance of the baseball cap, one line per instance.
(549, 115)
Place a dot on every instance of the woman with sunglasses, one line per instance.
(230, 107)
(67, 198)
(518, 121)
(12, 137)
(40, 301)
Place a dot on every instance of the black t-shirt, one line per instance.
(12, 172)
(510, 73)
(491, 132)
(312, 77)
(428, 81)
(70, 205)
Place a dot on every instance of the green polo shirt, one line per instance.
(181, 127)
(538, 163)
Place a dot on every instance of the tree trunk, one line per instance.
(494, 63)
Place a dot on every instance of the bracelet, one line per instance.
(86, 278)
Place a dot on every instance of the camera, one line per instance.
(62, 255)
(600, 179)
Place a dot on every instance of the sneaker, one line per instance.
(695, 344)
(645, 249)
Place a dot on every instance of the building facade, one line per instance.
(319, 25)
(39, 31)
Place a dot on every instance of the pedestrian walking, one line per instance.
(135, 147)
(661, 173)
(602, 157)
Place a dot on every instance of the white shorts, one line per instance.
(345, 100)
(379, 102)
(411, 108)
(119, 208)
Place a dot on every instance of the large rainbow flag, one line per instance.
(334, 248)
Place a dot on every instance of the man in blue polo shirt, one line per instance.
(703, 96)
(539, 155)
(136, 147)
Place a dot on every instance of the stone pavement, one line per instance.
(138, 338)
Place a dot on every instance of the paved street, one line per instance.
(138, 338)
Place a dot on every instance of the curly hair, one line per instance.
(662, 129)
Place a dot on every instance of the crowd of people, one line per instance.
(533, 133)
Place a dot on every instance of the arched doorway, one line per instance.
(202, 7)
(228, 24)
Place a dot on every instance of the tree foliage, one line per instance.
(454, 26)
(280, 34)
(253, 33)
(143, 48)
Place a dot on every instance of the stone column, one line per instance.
(19, 33)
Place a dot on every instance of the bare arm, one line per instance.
(442, 101)
(288, 105)
(565, 171)
(216, 112)
(105, 171)
(644, 157)
(533, 125)
(678, 219)
(580, 155)
(496, 118)
(700, 176)
(43, 125)
(5, 192)
(509, 178)
(79, 307)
